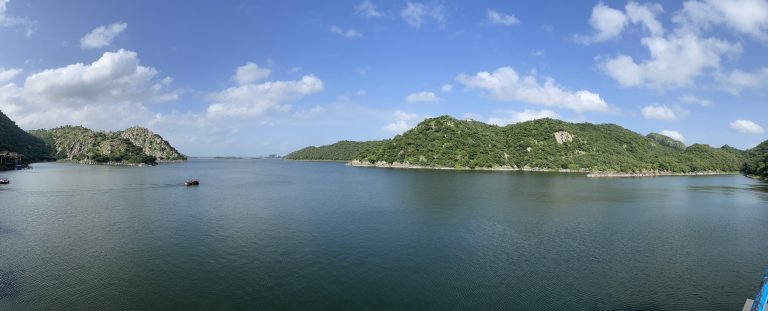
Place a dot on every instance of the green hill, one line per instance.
(152, 144)
(14, 139)
(546, 144)
(133, 146)
(341, 151)
(757, 162)
(666, 141)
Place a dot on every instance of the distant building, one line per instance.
(10, 160)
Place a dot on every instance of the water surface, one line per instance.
(273, 234)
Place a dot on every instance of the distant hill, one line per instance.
(666, 141)
(545, 144)
(152, 144)
(133, 146)
(14, 139)
(757, 162)
(341, 151)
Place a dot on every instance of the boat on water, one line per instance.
(4, 181)
(761, 298)
(192, 182)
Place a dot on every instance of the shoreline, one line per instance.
(382, 164)
(119, 163)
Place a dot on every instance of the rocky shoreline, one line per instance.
(382, 164)
(657, 174)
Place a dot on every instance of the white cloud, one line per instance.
(746, 126)
(735, 81)
(102, 36)
(659, 113)
(498, 18)
(676, 60)
(367, 9)
(8, 74)
(349, 33)
(306, 114)
(512, 116)
(109, 93)
(505, 84)
(7, 21)
(403, 121)
(446, 88)
(645, 14)
(692, 99)
(249, 73)
(251, 100)
(674, 135)
(422, 97)
(744, 16)
(607, 23)
(415, 14)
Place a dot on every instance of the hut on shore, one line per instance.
(10, 160)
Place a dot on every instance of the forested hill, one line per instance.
(341, 151)
(757, 162)
(14, 139)
(133, 146)
(549, 144)
(545, 144)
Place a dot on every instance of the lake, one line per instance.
(274, 234)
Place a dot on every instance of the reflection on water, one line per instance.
(8, 284)
(271, 234)
(759, 188)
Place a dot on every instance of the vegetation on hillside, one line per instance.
(341, 151)
(545, 144)
(14, 139)
(133, 146)
(151, 144)
(757, 162)
(666, 141)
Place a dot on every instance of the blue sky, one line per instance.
(261, 77)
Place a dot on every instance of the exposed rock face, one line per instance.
(152, 144)
(135, 145)
(563, 137)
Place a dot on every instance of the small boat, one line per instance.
(761, 298)
(4, 181)
(192, 182)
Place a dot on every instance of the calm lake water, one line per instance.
(273, 234)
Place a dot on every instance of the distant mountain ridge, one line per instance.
(548, 144)
(135, 145)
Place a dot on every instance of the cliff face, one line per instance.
(152, 144)
(133, 146)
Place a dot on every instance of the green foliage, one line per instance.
(757, 162)
(666, 141)
(80, 144)
(447, 142)
(341, 151)
(151, 144)
(14, 139)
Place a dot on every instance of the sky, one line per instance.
(251, 78)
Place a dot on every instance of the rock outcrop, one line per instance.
(563, 137)
(135, 145)
(152, 144)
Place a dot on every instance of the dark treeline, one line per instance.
(341, 151)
